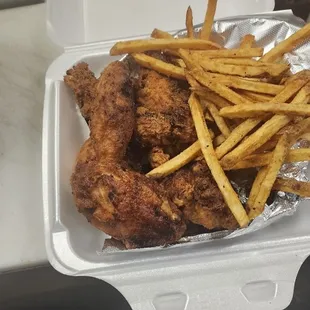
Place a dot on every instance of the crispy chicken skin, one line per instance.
(163, 114)
(194, 190)
(124, 204)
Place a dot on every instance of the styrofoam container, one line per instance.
(256, 271)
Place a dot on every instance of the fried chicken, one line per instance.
(163, 114)
(194, 190)
(83, 82)
(124, 204)
(157, 157)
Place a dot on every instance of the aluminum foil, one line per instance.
(269, 29)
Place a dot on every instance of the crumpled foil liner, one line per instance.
(269, 29)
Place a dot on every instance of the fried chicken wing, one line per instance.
(163, 114)
(83, 82)
(194, 190)
(125, 204)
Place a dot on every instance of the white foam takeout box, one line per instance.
(256, 271)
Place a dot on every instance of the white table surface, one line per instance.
(25, 54)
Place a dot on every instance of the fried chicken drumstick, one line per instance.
(124, 204)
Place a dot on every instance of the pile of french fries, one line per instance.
(258, 106)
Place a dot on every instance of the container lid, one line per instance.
(75, 22)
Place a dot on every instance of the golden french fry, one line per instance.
(218, 88)
(260, 177)
(209, 19)
(177, 162)
(194, 84)
(160, 34)
(260, 109)
(239, 70)
(189, 23)
(230, 53)
(260, 160)
(256, 97)
(159, 66)
(188, 59)
(277, 160)
(236, 136)
(266, 131)
(288, 45)
(247, 41)
(246, 84)
(209, 117)
(137, 46)
(219, 101)
(230, 196)
(220, 122)
(251, 62)
(180, 63)
(219, 140)
(292, 186)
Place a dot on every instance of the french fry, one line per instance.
(209, 19)
(180, 63)
(194, 84)
(218, 88)
(247, 41)
(230, 53)
(219, 140)
(209, 117)
(251, 62)
(241, 83)
(260, 109)
(159, 66)
(240, 70)
(160, 34)
(277, 160)
(236, 136)
(220, 122)
(287, 45)
(260, 177)
(188, 60)
(256, 97)
(267, 130)
(260, 160)
(219, 101)
(292, 186)
(137, 46)
(230, 196)
(177, 162)
(189, 23)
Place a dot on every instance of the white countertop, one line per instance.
(25, 54)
